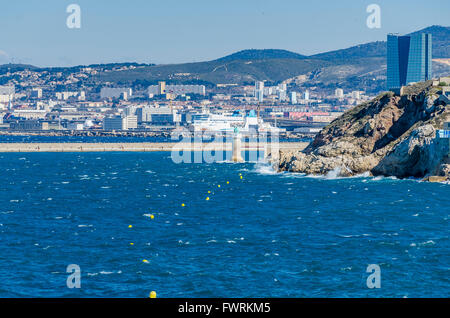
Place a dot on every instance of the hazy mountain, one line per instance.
(362, 66)
(219, 71)
(373, 49)
(441, 47)
(5, 68)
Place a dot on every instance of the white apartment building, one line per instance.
(339, 93)
(7, 94)
(66, 95)
(176, 89)
(259, 91)
(120, 123)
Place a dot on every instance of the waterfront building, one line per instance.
(129, 122)
(120, 123)
(409, 59)
(30, 113)
(113, 123)
(157, 115)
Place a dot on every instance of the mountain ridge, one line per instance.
(441, 47)
(261, 54)
(369, 49)
(362, 66)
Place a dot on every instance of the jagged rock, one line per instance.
(417, 155)
(429, 103)
(390, 135)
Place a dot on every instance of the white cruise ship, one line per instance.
(227, 123)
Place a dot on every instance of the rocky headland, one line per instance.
(392, 135)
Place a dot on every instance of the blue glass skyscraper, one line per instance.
(408, 59)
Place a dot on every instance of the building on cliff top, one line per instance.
(444, 133)
(409, 59)
(444, 139)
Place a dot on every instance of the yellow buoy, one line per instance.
(153, 294)
(152, 216)
(218, 185)
(209, 192)
(242, 177)
(182, 204)
(228, 182)
(144, 261)
(131, 243)
(207, 198)
(130, 226)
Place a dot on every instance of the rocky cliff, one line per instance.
(391, 135)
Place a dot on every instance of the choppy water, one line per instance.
(267, 235)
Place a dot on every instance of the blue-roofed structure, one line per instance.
(442, 134)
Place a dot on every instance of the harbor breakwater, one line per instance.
(142, 147)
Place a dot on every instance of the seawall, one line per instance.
(140, 147)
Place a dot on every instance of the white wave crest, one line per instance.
(264, 168)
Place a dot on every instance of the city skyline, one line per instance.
(174, 32)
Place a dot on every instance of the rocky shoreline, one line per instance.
(391, 135)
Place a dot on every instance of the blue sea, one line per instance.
(265, 235)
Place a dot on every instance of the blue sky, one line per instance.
(175, 31)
